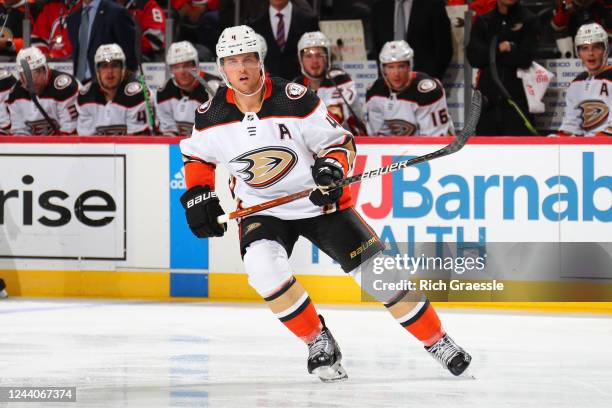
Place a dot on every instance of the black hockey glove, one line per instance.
(325, 171)
(202, 209)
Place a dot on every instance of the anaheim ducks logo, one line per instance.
(265, 166)
(401, 127)
(594, 113)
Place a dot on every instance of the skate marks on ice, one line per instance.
(203, 354)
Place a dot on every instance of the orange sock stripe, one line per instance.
(306, 323)
(425, 326)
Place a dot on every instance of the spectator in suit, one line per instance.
(95, 23)
(281, 27)
(516, 31)
(423, 24)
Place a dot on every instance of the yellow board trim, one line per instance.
(103, 284)
(234, 287)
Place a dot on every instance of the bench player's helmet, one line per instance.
(314, 39)
(396, 51)
(33, 57)
(591, 33)
(235, 41)
(182, 51)
(108, 53)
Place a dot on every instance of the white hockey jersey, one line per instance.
(176, 108)
(587, 105)
(269, 153)
(419, 110)
(6, 84)
(125, 115)
(58, 100)
(338, 84)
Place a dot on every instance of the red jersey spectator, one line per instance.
(50, 31)
(151, 21)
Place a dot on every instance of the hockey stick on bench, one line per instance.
(27, 73)
(454, 146)
(500, 86)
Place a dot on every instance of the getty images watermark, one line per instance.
(406, 267)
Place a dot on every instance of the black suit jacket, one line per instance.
(285, 63)
(113, 24)
(429, 33)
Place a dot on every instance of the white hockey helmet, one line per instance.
(108, 53)
(396, 51)
(314, 39)
(238, 40)
(33, 56)
(182, 51)
(264, 45)
(591, 33)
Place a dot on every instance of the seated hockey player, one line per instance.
(276, 138)
(405, 102)
(335, 87)
(589, 97)
(112, 105)
(55, 91)
(6, 85)
(178, 99)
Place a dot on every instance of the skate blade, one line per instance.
(334, 373)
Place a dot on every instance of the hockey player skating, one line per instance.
(112, 105)
(589, 97)
(277, 137)
(56, 92)
(332, 85)
(178, 99)
(405, 102)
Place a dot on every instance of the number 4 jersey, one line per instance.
(269, 153)
(420, 109)
(124, 115)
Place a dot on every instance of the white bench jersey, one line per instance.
(419, 110)
(58, 101)
(587, 105)
(124, 115)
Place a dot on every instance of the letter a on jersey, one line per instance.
(265, 166)
(284, 131)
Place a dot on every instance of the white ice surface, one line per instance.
(141, 354)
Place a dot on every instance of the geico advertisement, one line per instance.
(63, 206)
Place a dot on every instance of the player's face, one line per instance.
(39, 80)
(243, 72)
(111, 74)
(592, 56)
(182, 74)
(397, 74)
(315, 61)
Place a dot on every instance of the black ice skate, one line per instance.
(450, 355)
(3, 293)
(324, 357)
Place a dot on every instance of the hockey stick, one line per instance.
(27, 73)
(211, 93)
(150, 115)
(502, 88)
(456, 145)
